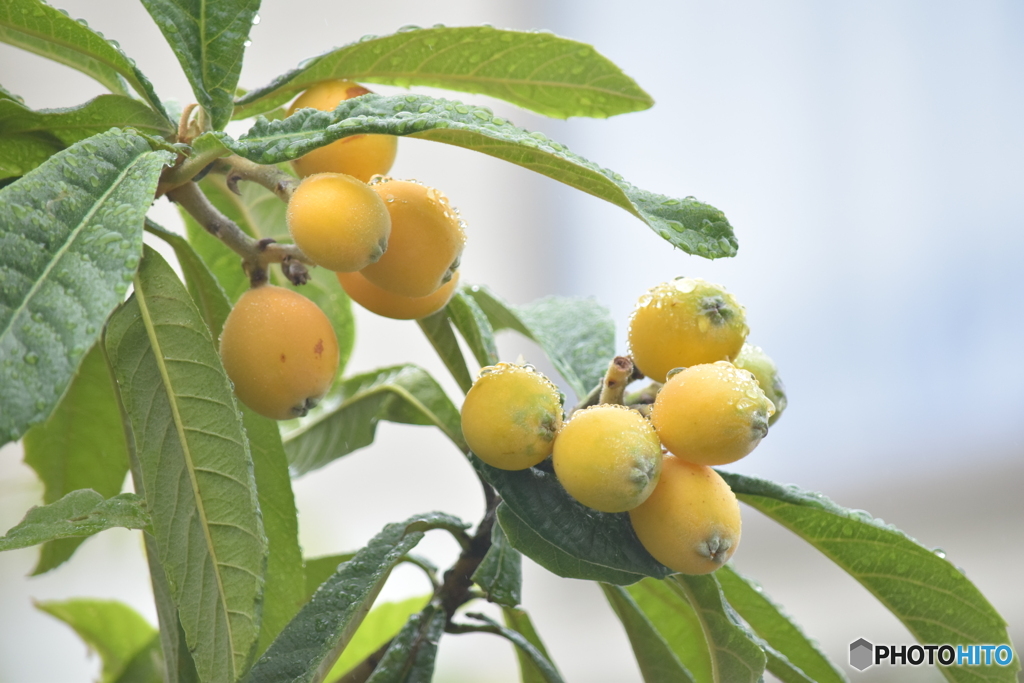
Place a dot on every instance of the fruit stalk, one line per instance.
(256, 255)
(238, 168)
(619, 375)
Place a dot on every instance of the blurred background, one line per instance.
(870, 157)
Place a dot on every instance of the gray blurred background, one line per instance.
(869, 156)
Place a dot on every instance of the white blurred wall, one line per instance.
(869, 156)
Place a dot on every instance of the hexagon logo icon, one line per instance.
(861, 654)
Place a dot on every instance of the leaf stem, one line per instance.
(257, 255)
(428, 569)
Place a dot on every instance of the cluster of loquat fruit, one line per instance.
(712, 399)
(394, 245)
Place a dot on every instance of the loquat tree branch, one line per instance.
(257, 255)
(455, 591)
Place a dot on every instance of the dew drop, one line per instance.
(31, 358)
(939, 552)
(255, 19)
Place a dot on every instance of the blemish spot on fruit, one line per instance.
(318, 350)
(283, 358)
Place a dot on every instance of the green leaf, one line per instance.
(323, 628)
(6, 94)
(79, 513)
(285, 583)
(20, 153)
(500, 574)
(779, 665)
(438, 331)
(80, 446)
(677, 623)
(694, 227)
(735, 658)
(519, 620)
(112, 629)
(70, 239)
(203, 287)
(410, 657)
(70, 125)
(933, 599)
(654, 656)
(35, 26)
(472, 323)
(577, 335)
(346, 420)
(197, 472)
(777, 629)
(146, 666)
(540, 661)
(209, 38)
(261, 214)
(562, 535)
(319, 569)
(285, 578)
(381, 625)
(177, 660)
(535, 70)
